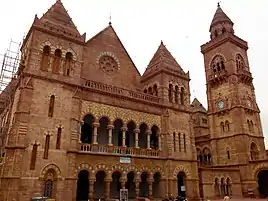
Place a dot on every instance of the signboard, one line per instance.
(125, 160)
(123, 194)
(182, 188)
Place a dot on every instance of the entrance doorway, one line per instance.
(82, 188)
(263, 183)
(181, 183)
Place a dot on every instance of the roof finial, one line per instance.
(110, 19)
(219, 4)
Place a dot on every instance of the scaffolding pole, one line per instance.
(9, 64)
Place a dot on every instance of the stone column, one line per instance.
(159, 141)
(95, 132)
(123, 183)
(91, 189)
(148, 132)
(124, 129)
(150, 183)
(110, 128)
(107, 188)
(137, 187)
(79, 127)
(137, 131)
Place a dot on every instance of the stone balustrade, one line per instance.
(115, 150)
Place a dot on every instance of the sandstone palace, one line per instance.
(79, 122)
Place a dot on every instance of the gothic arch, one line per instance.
(254, 143)
(83, 166)
(216, 55)
(179, 169)
(53, 167)
(130, 120)
(54, 48)
(45, 43)
(71, 51)
(145, 169)
(257, 169)
(206, 147)
(118, 167)
(158, 169)
(132, 168)
(104, 116)
(100, 167)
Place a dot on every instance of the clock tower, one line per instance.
(234, 120)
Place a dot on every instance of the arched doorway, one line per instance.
(181, 184)
(156, 185)
(263, 183)
(130, 185)
(82, 188)
(99, 185)
(144, 186)
(115, 185)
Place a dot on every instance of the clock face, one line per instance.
(220, 104)
(249, 103)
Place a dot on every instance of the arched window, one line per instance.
(170, 89)
(217, 64)
(176, 94)
(48, 188)
(222, 127)
(51, 106)
(58, 138)
(68, 62)
(33, 157)
(150, 91)
(56, 61)
(182, 95)
(174, 142)
(240, 64)
(45, 58)
(223, 30)
(46, 149)
(254, 152)
(155, 91)
(251, 125)
(227, 126)
(145, 91)
(184, 142)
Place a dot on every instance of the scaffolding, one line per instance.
(9, 62)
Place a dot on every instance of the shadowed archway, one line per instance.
(263, 183)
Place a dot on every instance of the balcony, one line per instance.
(118, 151)
(245, 76)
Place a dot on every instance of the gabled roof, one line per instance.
(220, 17)
(58, 16)
(110, 29)
(197, 106)
(164, 58)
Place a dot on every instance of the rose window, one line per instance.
(108, 64)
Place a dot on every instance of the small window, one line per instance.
(33, 157)
(58, 138)
(228, 154)
(46, 147)
(51, 106)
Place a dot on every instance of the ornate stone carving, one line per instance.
(108, 64)
(113, 113)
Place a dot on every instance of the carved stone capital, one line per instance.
(96, 124)
(124, 128)
(148, 132)
(136, 130)
(110, 127)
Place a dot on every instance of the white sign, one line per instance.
(125, 160)
(182, 188)
(123, 194)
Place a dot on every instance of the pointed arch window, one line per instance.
(56, 61)
(176, 94)
(150, 91)
(182, 96)
(46, 149)
(155, 90)
(58, 138)
(240, 64)
(33, 157)
(68, 63)
(48, 188)
(227, 126)
(51, 106)
(45, 58)
(218, 64)
(222, 127)
(254, 151)
(170, 89)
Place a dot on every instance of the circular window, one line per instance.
(108, 64)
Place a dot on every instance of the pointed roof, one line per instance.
(164, 58)
(108, 30)
(198, 107)
(57, 15)
(220, 17)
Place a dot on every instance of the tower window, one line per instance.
(68, 62)
(51, 106)
(228, 154)
(58, 138)
(45, 58)
(33, 157)
(170, 89)
(240, 64)
(46, 147)
(217, 64)
(56, 61)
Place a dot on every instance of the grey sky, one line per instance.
(183, 25)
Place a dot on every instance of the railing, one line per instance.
(244, 72)
(218, 75)
(121, 91)
(115, 150)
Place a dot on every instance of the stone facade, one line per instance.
(79, 121)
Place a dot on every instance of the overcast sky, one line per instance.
(183, 25)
